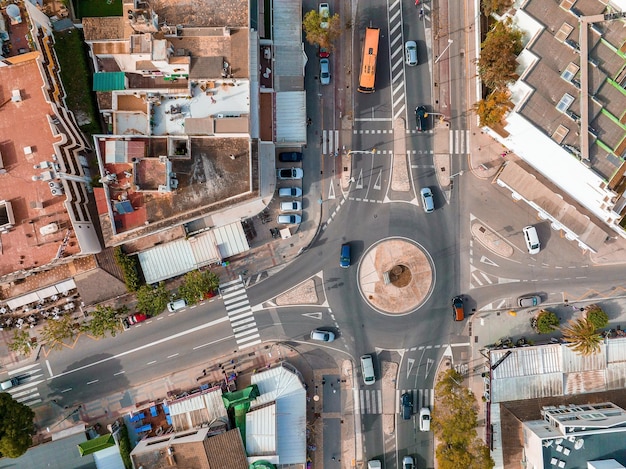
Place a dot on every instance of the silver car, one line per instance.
(410, 53)
(289, 219)
(322, 336)
(293, 206)
(324, 71)
(289, 192)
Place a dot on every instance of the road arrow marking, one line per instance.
(409, 367)
(429, 364)
(488, 261)
(331, 191)
(313, 315)
(359, 180)
(377, 184)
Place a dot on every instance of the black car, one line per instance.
(407, 406)
(421, 118)
(290, 157)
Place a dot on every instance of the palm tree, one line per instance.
(581, 336)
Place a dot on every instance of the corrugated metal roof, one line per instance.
(584, 381)
(616, 376)
(616, 350)
(573, 362)
(167, 261)
(291, 117)
(195, 410)
(204, 249)
(527, 387)
(287, 28)
(231, 239)
(261, 431)
(527, 361)
(109, 81)
(284, 386)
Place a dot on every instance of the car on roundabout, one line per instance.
(322, 336)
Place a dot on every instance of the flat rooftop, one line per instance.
(169, 113)
(41, 219)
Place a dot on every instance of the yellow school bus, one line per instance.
(368, 65)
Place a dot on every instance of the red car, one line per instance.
(132, 320)
(324, 53)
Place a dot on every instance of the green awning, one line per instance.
(95, 445)
(109, 81)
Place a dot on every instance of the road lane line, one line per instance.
(92, 381)
(172, 356)
(143, 347)
(119, 373)
(49, 367)
(151, 363)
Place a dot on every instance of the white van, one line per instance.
(8, 384)
(532, 239)
(367, 369)
(176, 305)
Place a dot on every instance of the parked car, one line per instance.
(424, 419)
(421, 118)
(428, 202)
(324, 12)
(324, 53)
(322, 336)
(290, 156)
(176, 305)
(408, 463)
(458, 310)
(289, 192)
(324, 71)
(132, 320)
(293, 206)
(410, 53)
(289, 173)
(407, 406)
(528, 301)
(289, 219)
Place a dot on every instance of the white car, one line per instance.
(408, 463)
(424, 419)
(410, 53)
(289, 219)
(322, 336)
(324, 12)
(289, 192)
(293, 206)
(289, 173)
(324, 71)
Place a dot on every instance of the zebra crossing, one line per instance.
(370, 401)
(459, 142)
(240, 313)
(371, 131)
(330, 142)
(29, 377)
(396, 51)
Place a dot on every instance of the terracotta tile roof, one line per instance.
(225, 451)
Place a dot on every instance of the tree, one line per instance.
(581, 336)
(547, 322)
(495, 6)
(105, 319)
(152, 301)
(20, 342)
(16, 426)
(596, 316)
(454, 423)
(129, 266)
(492, 109)
(318, 36)
(196, 284)
(498, 56)
(56, 331)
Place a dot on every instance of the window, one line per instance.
(565, 102)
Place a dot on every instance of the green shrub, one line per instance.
(597, 317)
(129, 266)
(125, 448)
(547, 322)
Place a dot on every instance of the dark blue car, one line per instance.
(344, 260)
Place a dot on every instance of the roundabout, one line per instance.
(396, 276)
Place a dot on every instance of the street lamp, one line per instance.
(450, 41)
(460, 173)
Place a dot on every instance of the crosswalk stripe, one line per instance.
(240, 314)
